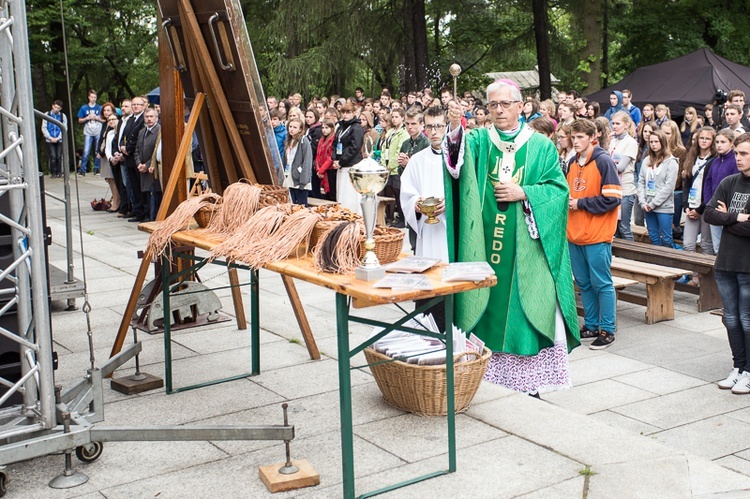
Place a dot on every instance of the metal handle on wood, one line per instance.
(211, 26)
(178, 60)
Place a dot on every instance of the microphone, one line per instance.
(502, 205)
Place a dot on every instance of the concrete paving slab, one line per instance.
(666, 478)
(515, 466)
(689, 346)
(735, 463)
(307, 379)
(322, 451)
(313, 415)
(598, 396)
(593, 443)
(158, 408)
(687, 406)
(709, 478)
(660, 380)
(712, 438)
(588, 369)
(712, 367)
(573, 488)
(624, 422)
(414, 438)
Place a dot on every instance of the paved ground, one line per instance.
(644, 419)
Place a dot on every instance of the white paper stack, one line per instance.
(412, 264)
(423, 350)
(467, 271)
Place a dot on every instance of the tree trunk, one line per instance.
(592, 32)
(541, 32)
(605, 44)
(421, 60)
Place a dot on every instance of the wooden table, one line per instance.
(362, 294)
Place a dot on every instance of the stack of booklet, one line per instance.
(467, 271)
(411, 265)
(423, 350)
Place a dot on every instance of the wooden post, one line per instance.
(177, 173)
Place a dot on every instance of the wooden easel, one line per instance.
(218, 130)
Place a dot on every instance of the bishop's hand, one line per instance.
(508, 192)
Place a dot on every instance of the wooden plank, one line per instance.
(660, 301)
(636, 267)
(176, 174)
(204, 61)
(299, 313)
(657, 255)
(239, 308)
(211, 124)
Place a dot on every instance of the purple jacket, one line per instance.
(721, 167)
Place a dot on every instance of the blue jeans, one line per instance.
(90, 145)
(623, 225)
(659, 227)
(716, 231)
(734, 288)
(591, 268)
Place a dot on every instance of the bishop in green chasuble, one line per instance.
(529, 319)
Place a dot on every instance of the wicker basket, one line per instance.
(273, 194)
(205, 214)
(422, 390)
(389, 242)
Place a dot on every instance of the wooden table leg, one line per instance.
(660, 301)
(299, 312)
(239, 308)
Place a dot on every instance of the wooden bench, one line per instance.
(620, 283)
(640, 234)
(659, 281)
(708, 292)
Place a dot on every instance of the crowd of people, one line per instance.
(124, 145)
(536, 189)
(623, 166)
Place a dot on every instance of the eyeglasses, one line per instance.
(504, 103)
(430, 128)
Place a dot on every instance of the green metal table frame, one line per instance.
(343, 318)
(168, 288)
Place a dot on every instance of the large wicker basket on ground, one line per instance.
(422, 390)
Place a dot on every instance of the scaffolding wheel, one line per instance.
(90, 452)
(3, 483)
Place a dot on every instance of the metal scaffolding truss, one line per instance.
(19, 184)
(53, 419)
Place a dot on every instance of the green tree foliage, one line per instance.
(111, 48)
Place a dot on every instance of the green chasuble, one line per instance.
(518, 315)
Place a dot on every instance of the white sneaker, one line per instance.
(742, 387)
(730, 380)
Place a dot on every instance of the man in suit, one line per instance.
(128, 143)
(126, 196)
(144, 153)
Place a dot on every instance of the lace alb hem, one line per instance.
(547, 371)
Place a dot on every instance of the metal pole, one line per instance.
(345, 395)
(255, 318)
